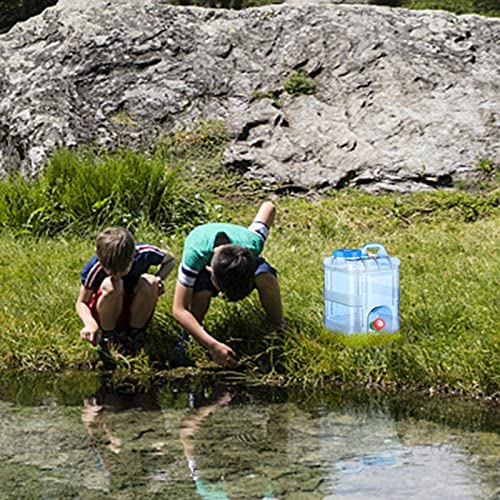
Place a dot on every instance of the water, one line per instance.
(70, 437)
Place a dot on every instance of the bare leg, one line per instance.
(200, 304)
(270, 297)
(110, 303)
(144, 302)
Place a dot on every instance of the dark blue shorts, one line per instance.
(204, 282)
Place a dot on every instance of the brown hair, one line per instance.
(233, 268)
(115, 248)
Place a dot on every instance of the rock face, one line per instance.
(404, 100)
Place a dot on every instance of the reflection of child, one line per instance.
(189, 427)
(117, 292)
(226, 258)
(90, 418)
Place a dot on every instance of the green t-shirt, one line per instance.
(199, 246)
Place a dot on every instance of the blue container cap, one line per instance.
(347, 253)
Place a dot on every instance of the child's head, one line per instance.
(115, 249)
(233, 268)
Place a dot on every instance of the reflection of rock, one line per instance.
(46, 452)
(255, 451)
(404, 100)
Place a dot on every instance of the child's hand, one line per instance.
(89, 334)
(161, 286)
(223, 354)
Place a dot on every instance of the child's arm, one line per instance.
(266, 213)
(219, 352)
(190, 425)
(166, 265)
(90, 325)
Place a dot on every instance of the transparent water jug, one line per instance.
(361, 290)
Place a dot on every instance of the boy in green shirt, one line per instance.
(225, 258)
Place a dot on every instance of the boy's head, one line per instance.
(233, 268)
(115, 249)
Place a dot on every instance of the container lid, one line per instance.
(347, 253)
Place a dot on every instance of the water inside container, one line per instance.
(361, 291)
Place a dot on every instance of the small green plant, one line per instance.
(123, 118)
(489, 174)
(298, 83)
(485, 166)
(198, 151)
(270, 94)
(206, 138)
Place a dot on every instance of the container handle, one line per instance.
(381, 251)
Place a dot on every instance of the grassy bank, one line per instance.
(482, 7)
(446, 241)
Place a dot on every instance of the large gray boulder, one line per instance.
(404, 100)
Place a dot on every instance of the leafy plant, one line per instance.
(299, 83)
(274, 95)
(485, 166)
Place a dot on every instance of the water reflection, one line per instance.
(219, 442)
(189, 428)
(91, 420)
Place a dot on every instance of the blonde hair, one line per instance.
(115, 248)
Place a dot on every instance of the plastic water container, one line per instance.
(361, 290)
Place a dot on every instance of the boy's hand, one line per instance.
(223, 354)
(89, 334)
(161, 286)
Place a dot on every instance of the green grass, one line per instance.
(78, 193)
(447, 242)
(481, 7)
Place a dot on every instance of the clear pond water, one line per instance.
(71, 436)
